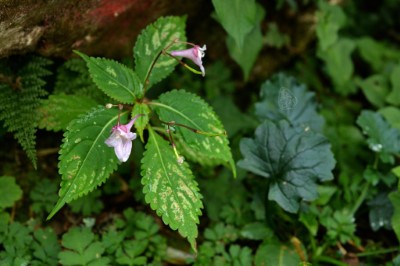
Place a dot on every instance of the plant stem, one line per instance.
(377, 252)
(330, 261)
(360, 199)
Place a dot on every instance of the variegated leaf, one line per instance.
(170, 188)
(192, 111)
(114, 79)
(153, 39)
(85, 160)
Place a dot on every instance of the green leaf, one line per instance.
(238, 18)
(256, 231)
(246, 54)
(394, 96)
(283, 98)
(291, 160)
(391, 115)
(10, 192)
(339, 64)
(382, 138)
(59, 110)
(330, 19)
(21, 93)
(152, 40)
(85, 160)
(275, 37)
(114, 79)
(190, 110)
(395, 200)
(82, 249)
(142, 121)
(277, 254)
(377, 54)
(45, 247)
(88, 204)
(170, 188)
(130, 251)
(375, 88)
(44, 196)
(380, 212)
(16, 243)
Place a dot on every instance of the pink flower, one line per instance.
(195, 54)
(121, 139)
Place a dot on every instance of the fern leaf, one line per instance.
(20, 95)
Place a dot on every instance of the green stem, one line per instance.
(361, 198)
(330, 261)
(378, 252)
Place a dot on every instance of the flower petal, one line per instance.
(123, 150)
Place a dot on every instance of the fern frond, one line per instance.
(73, 78)
(20, 93)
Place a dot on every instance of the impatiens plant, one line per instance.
(177, 126)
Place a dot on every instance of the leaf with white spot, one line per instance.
(114, 79)
(152, 40)
(85, 160)
(190, 110)
(170, 188)
(292, 160)
(382, 138)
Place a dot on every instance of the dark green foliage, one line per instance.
(88, 205)
(44, 196)
(21, 90)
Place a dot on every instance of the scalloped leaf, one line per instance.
(10, 192)
(152, 40)
(283, 98)
(382, 138)
(292, 160)
(190, 110)
(142, 121)
(170, 188)
(114, 79)
(59, 110)
(85, 160)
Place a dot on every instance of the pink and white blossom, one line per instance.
(195, 54)
(121, 139)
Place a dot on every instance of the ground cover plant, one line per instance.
(169, 158)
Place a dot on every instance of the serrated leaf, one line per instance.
(59, 110)
(293, 161)
(114, 79)
(237, 17)
(283, 98)
(10, 192)
(142, 121)
(190, 110)
(152, 40)
(82, 249)
(382, 138)
(85, 160)
(45, 247)
(170, 188)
